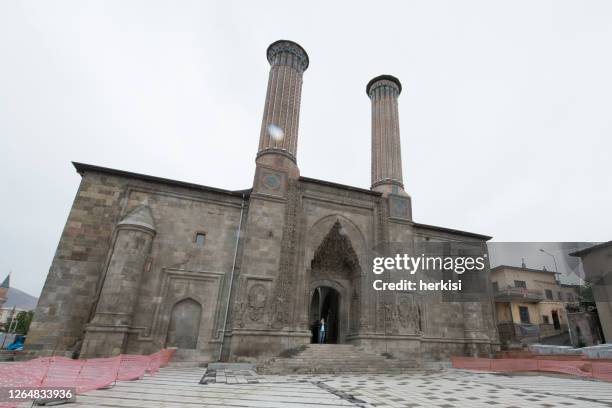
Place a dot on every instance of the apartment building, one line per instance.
(530, 303)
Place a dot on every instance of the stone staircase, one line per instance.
(334, 358)
(188, 358)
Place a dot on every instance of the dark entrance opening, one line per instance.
(555, 317)
(325, 304)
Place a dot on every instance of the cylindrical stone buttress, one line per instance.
(123, 277)
(106, 334)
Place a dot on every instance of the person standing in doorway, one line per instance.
(322, 330)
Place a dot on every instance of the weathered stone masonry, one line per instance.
(145, 262)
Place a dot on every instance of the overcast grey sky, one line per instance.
(506, 109)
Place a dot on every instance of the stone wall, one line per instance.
(177, 268)
(69, 292)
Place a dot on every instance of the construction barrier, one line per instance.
(601, 370)
(78, 375)
(531, 354)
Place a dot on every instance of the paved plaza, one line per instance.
(180, 387)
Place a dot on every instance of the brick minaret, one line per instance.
(386, 152)
(279, 127)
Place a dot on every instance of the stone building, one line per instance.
(145, 262)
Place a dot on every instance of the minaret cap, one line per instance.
(288, 46)
(384, 78)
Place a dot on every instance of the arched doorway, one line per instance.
(335, 286)
(325, 304)
(184, 328)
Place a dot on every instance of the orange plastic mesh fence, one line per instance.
(601, 370)
(81, 375)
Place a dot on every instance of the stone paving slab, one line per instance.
(454, 388)
(180, 387)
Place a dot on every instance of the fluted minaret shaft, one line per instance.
(386, 152)
(279, 126)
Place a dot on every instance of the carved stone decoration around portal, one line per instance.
(390, 315)
(281, 305)
(409, 314)
(257, 299)
(355, 311)
(336, 254)
(239, 312)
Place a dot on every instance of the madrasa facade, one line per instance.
(146, 262)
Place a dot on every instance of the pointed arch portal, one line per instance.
(334, 275)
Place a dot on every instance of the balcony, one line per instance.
(510, 293)
(528, 332)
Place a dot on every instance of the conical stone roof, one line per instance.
(141, 216)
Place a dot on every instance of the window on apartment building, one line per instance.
(495, 286)
(559, 296)
(520, 284)
(570, 297)
(549, 294)
(546, 319)
(200, 238)
(524, 314)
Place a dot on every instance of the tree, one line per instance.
(586, 293)
(21, 323)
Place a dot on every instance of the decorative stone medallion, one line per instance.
(271, 182)
(400, 207)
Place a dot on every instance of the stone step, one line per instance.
(331, 352)
(340, 356)
(186, 364)
(336, 369)
(325, 370)
(331, 358)
(347, 363)
(334, 361)
(343, 363)
(339, 346)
